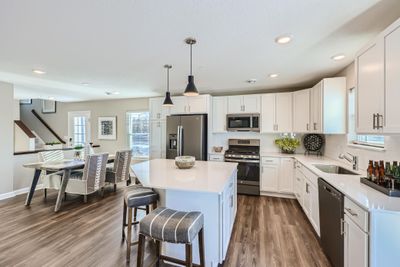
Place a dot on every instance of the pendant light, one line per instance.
(168, 100)
(191, 89)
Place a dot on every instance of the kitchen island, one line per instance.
(208, 187)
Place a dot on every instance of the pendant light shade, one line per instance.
(168, 101)
(191, 89)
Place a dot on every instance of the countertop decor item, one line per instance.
(218, 149)
(185, 162)
(313, 143)
(287, 144)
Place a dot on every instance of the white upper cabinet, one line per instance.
(219, 111)
(157, 110)
(378, 81)
(190, 104)
(369, 71)
(243, 104)
(157, 139)
(276, 113)
(391, 121)
(328, 103)
(283, 112)
(268, 113)
(301, 111)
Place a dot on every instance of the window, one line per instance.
(377, 141)
(79, 127)
(138, 133)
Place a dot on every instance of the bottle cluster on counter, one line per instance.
(384, 173)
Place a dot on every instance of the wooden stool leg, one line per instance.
(154, 205)
(147, 209)
(129, 236)
(115, 187)
(189, 260)
(134, 214)
(140, 253)
(158, 252)
(201, 248)
(45, 193)
(124, 221)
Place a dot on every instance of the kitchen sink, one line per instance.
(334, 169)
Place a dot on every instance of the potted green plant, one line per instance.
(287, 144)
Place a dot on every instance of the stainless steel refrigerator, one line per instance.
(187, 136)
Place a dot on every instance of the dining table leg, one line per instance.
(33, 187)
(64, 182)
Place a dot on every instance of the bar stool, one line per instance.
(136, 197)
(172, 226)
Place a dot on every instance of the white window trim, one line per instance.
(127, 133)
(72, 114)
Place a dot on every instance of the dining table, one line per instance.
(65, 166)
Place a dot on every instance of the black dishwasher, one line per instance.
(331, 216)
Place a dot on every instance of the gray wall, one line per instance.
(7, 137)
(59, 120)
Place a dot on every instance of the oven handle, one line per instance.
(242, 160)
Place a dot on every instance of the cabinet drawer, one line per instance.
(214, 157)
(267, 160)
(356, 213)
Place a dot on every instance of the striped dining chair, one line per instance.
(51, 180)
(120, 170)
(91, 179)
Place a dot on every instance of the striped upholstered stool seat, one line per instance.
(172, 226)
(137, 195)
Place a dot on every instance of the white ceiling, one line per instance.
(123, 45)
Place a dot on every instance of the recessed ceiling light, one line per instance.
(51, 98)
(112, 93)
(37, 71)
(283, 39)
(273, 75)
(338, 57)
(251, 81)
(85, 84)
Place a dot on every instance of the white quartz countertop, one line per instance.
(205, 176)
(350, 185)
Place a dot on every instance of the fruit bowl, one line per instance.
(185, 162)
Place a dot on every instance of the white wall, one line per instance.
(7, 137)
(336, 144)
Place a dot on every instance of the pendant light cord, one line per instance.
(191, 59)
(167, 79)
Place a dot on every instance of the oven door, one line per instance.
(248, 176)
(239, 122)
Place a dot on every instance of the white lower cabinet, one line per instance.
(277, 175)
(306, 192)
(228, 213)
(355, 244)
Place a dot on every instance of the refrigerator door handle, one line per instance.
(181, 141)
(178, 141)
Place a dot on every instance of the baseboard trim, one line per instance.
(281, 195)
(18, 192)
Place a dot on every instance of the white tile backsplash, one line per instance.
(336, 144)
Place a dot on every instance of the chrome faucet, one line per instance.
(352, 159)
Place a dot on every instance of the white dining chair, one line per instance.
(51, 180)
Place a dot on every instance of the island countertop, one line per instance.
(205, 176)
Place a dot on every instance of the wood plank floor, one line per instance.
(268, 232)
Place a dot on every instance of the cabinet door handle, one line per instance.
(308, 127)
(315, 126)
(373, 121)
(307, 188)
(379, 126)
(262, 169)
(341, 226)
(189, 108)
(352, 213)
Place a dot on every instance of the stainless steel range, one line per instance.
(246, 152)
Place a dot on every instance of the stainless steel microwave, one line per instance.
(243, 122)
